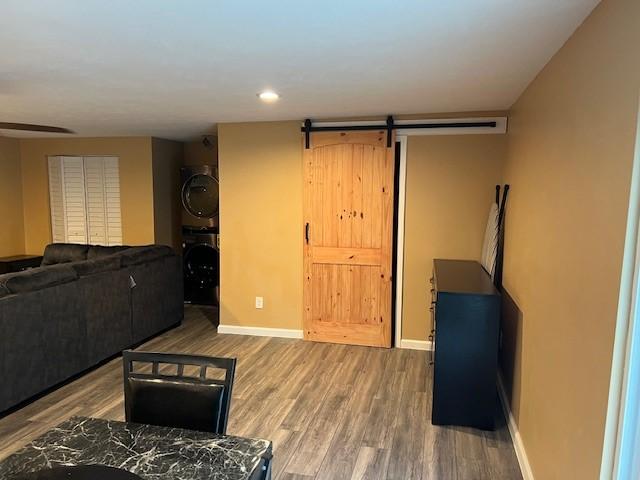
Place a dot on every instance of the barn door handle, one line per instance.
(306, 232)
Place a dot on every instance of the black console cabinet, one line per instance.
(19, 263)
(466, 309)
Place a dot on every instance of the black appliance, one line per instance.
(200, 197)
(201, 264)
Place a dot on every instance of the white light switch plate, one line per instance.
(259, 302)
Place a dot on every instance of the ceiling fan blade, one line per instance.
(33, 128)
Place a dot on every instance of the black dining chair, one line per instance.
(155, 396)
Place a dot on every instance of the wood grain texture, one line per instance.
(332, 411)
(347, 255)
(348, 222)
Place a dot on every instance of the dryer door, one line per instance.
(201, 274)
(200, 195)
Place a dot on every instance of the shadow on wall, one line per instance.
(511, 350)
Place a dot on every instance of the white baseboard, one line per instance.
(259, 331)
(523, 460)
(290, 333)
(415, 344)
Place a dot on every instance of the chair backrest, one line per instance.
(178, 399)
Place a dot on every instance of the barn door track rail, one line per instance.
(390, 125)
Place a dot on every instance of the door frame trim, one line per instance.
(399, 280)
(622, 425)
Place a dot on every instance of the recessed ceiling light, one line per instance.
(268, 96)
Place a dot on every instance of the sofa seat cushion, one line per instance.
(64, 253)
(38, 278)
(99, 251)
(137, 255)
(98, 265)
(4, 291)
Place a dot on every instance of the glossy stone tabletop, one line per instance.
(153, 453)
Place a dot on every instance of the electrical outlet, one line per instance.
(259, 302)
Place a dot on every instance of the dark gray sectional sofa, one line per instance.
(83, 305)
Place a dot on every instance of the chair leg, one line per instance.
(267, 469)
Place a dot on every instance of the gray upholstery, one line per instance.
(98, 265)
(155, 312)
(138, 255)
(107, 317)
(64, 253)
(38, 278)
(42, 341)
(59, 320)
(100, 251)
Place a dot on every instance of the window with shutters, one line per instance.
(85, 200)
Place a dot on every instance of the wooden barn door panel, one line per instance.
(348, 225)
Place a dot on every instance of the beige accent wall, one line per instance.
(450, 186)
(569, 164)
(195, 153)
(260, 168)
(136, 184)
(12, 230)
(167, 158)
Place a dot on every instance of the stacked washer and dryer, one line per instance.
(200, 230)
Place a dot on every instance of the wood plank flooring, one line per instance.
(332, 411)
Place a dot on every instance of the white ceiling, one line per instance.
(175, 68)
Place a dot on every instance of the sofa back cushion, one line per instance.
(38, 278)
(99, 251)
(4, 291)
(98, 265)
(55, 253)
(137, 255)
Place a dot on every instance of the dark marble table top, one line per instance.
(153, 453)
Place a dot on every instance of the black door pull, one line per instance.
(306, 232)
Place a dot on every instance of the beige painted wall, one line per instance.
(136, 184)
(450, 185)
(195, 153)
(167, 158)
(569, 163)
(260, 167)
(12, 231)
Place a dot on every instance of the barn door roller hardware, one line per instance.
(389, 127)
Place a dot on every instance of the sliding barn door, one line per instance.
(348, 228)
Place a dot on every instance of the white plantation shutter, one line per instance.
(96, 212)
(56, 200)
(112, 200)
(74, 199)
(85, 200)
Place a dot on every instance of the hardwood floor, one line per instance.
(332, 411)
